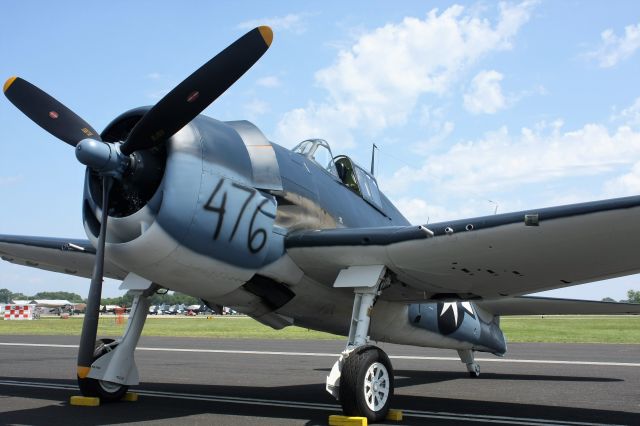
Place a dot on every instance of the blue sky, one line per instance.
(527, 104)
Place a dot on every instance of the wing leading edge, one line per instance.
(485, 257)
(67, 256)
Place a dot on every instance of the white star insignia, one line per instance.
(454, 307)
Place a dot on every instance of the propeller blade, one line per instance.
(198, 91)
(92, 312)
(47, 112)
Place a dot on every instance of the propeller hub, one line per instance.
(103, 157)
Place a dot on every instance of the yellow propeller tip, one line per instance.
(8, 83)
(266, 33)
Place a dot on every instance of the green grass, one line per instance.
(561, 329)
(216, 327)
(572, 329)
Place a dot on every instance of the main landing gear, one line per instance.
(362, 378)
(113, 369)
(106, 391)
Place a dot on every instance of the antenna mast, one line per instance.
(373, 157)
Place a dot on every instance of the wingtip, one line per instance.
(267, 34)
(8, 83)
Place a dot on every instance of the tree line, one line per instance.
(6, 296)
(170, 298)
(632, 297)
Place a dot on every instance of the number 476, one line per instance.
(257, 238)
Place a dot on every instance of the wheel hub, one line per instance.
(109, 386)
(376, 386)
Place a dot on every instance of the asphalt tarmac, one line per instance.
(267, 382)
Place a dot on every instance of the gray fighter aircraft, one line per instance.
(176, 200)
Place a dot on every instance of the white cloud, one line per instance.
(319, 121)
(377, 82)
(613, 49)
(269, 81)
(630, 115)
(485, 94)
(625, 184)
(418, 211)
(501, 161)
(291, 22)
(541, 165)
(256, 107)
(430, 116)
(154, 76)
(443, 131)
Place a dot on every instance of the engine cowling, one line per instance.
(193, 214)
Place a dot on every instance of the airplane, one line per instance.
(177, 200)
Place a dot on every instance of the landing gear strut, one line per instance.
(113, 368)
(362, 378)
(467, 357)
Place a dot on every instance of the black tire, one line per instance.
(475, 373)
(353, 384)
(106, 391)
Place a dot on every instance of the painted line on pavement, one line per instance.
(333, 355)
(316, 406)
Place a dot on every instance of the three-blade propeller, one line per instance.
(110, 160)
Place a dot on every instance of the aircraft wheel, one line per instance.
(106, 391)
(474, 371)
(366, 384)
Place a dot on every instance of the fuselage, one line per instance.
(319, 306)
(214, 227)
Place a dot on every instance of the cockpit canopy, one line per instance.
(318, 151)
(343, 168)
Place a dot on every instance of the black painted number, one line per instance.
(257, 238)
(253, 247)
(220, 210)
(251, 192)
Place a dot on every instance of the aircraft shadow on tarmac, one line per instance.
(58, 411)
(420, 377)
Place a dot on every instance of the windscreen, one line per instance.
(368, 187)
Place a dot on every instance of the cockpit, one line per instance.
(343, 168)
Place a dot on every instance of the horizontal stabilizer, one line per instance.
(529, 305)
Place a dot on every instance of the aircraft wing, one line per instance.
(68, 256)
(529, 305)
(485, 257)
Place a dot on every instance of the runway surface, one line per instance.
(251, 382)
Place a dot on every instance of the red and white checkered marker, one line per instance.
(18, 312)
